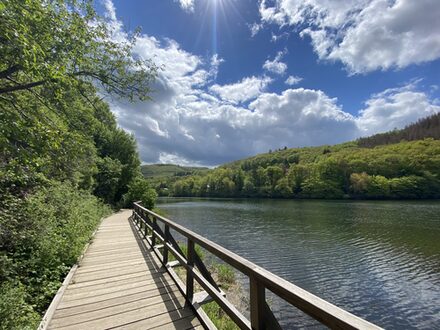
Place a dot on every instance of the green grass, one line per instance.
(220, 319)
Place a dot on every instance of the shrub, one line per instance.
(40, 241)
(140, 190)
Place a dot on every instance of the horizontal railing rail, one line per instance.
(261, 316)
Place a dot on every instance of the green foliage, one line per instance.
(59, 144)
(107, 178)
(402, 170)
(140, 190)
(80, 49)
(15, 312)
(170, 170)
(225, 275)
(41, 240)
(220, 319)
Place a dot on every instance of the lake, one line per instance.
(378, 260)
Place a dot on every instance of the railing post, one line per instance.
(144, 220)
(189, 276)
(153, 234)
(257, 302)
(165, 247)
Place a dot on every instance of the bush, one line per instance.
(140, 190)
(40, 241)
(15, 312)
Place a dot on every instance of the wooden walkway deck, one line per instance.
(121, 284)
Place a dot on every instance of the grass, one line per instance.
(225, 278)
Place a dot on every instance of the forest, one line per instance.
(170, 170)
(64, 163)
(377, 167)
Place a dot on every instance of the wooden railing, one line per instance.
(261, 316)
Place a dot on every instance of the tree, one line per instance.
(296, 175)
(359, 183)
(108, 176)
(283, 189)
(140, 190)
(65, 43)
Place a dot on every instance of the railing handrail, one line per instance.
(321, 310)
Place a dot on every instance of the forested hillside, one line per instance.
(167, 170)
(64, 163)
(163, 176)
(408, 169)
(428, 127)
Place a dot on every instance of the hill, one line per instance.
(428, 127)
(167, 170)
(369, 168)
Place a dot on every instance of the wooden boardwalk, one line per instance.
(121, 284)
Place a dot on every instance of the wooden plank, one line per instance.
(160, 320)
(128, 279)
(185, 323)
(85, 308)
(66, 302)
(108, 274)
(96, 315)
(111, 265)
(97, 292)
(107, 280)
(118, 283)
(159, 313)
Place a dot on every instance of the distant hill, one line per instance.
(170, 170)
(402, 164)
(428, 127)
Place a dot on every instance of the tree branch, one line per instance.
(6, 73)
(20, 87)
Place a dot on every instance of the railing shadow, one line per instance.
(180, 313)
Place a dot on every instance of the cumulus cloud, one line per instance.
(276, 66)
(192, 120)
(187, 5)
(395, 108)
(293, 80)
(364, 35)
(244, 90)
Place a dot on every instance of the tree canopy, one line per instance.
(408, 170)
(58, 43)
(64, 162)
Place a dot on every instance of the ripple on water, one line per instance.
(379, 260)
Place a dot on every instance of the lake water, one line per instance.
(378, 260)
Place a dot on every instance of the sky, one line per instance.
(242, 77)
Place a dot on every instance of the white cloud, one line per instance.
(364, 35)
(276, 66)
(215, 63)
(193, 121)
(110, 10)
(255, 28)
(276, 37)
(242, 91)
(187, 5)
(395, 108)
(293, 80)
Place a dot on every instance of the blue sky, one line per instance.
(243, 77)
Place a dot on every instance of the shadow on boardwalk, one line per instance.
(121, 284)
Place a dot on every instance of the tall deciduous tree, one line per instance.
(57, 43)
